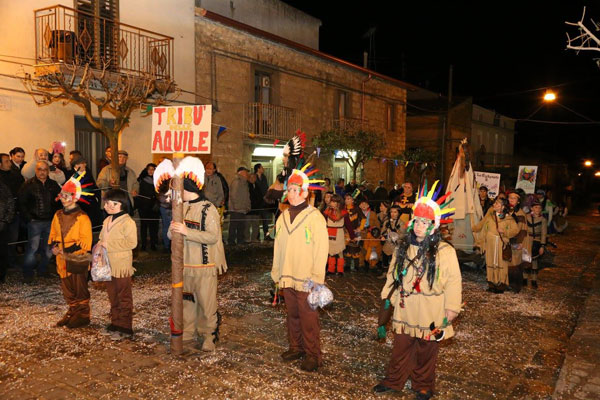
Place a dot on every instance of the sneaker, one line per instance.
(382, 389)
(116, 336)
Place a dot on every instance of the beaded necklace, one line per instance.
(420, 271)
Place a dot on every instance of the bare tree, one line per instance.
(585, 40)
(100, 90)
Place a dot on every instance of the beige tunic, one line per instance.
(119, 238)
(497, 268)
(301, 249)
(430, 304)
(521, 240)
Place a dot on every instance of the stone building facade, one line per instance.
(263, 87)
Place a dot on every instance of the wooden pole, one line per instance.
(177, 263)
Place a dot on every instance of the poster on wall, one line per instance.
(526, 178)
(184, 129)
(489, 180)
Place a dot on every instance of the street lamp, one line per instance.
(597, 174)
(549, 96)
(587, 163)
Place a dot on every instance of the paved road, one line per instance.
(508, 346)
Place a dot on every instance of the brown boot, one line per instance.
(310, 364)
(77, 322)
(292, 354)
(64, 320)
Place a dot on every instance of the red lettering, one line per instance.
(168, 148)
(159, 111)
(197, 114)
(177, 136)
(191, 147)
(157, 141)
(180, 115)
(202, 141)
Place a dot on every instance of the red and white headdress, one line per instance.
(74, 188)
(426, 206)
(301, 178)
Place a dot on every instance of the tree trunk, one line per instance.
(177, 266)
(114, 161)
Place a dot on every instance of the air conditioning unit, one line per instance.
(265, 81)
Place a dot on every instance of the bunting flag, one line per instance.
(318, 152)
(275, 142)
(396, 162)
(383, 160)
(221, 130)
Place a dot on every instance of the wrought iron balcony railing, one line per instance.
(66, 35)
(269, 121)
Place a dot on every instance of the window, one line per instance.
(102, 34)
(496, 119)
(262, 87)
(343, 105)
(391, 117)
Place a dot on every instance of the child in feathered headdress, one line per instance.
(424, 287)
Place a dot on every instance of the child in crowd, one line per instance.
(384, 212)
(538, 232)
(352, 252)
(119, 238)
(338, 226)
(393, 231)
(71, 233)
(370, 243)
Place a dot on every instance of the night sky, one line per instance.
(504, 54)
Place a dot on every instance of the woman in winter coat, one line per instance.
(147, 204)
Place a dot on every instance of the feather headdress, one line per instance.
(74, 187)
(189, 168)
(429, 206)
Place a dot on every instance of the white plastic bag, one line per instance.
(318, 296)
(525, 256)
(100, 270)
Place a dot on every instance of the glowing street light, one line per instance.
(597, 173)
(587, 163)
(549, 96)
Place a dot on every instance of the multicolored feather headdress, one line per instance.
(301, 177)
(429, 206)
(74, 188)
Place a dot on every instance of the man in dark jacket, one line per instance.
(263, 185)
(37, 203)
(11, 177)
(7, 213)
(380, 195)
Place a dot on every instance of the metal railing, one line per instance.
(270, 121)
(349, 124)
(66, 35)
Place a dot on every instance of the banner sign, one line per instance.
(184, 129)
(526, 178)
(489, 180)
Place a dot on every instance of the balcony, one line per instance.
(66, 36)
(268, 121)
(349, 124)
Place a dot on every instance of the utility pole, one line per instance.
(447, 131)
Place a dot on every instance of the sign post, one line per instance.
(179, 130)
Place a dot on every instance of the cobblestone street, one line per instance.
(508, 346)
